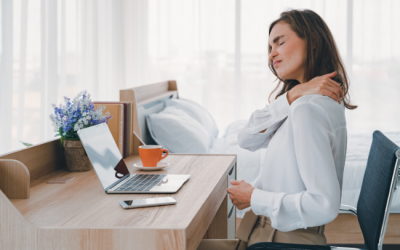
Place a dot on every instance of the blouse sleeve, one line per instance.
(271, 118)
(320, 202)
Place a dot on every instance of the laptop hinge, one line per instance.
(116, 183)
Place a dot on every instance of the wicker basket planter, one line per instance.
(75, 156)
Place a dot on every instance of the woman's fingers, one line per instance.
(235, 201)
(335, 91)
(338, 87)
(331, 94)
(332, 89)
(235, 182)
(330, 75)
(234, 198)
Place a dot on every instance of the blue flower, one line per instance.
(66, 127)
(76, 114)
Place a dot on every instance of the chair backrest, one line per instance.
(376, 189)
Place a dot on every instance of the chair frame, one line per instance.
(393, 188)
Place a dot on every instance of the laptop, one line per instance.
(111, 169)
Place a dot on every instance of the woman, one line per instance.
(298, 190)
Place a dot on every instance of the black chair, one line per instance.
(378, 185)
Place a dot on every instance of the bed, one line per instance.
(151, 98)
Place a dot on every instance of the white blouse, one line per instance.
(300, 181)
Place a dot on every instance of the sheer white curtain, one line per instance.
(55, 48)
(216, 50)
(376, 65)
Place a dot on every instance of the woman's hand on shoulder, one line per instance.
(322, 85)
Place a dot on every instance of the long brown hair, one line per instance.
(322, 54)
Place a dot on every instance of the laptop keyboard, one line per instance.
(141, 182)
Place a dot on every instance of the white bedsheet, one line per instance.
(358, 146)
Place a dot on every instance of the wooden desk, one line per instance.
(79, 215)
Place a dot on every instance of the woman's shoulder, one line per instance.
(322, 106)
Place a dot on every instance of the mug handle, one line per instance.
(162, 151)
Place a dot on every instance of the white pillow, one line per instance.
(178, 132)
(196, 111)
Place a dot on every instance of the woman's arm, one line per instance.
(263, 124)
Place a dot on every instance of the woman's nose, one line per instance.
(273, 54)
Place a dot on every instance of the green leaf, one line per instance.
(62, 142)
(27, 144)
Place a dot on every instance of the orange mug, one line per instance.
(151, 155)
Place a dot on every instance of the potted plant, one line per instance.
(71, 117)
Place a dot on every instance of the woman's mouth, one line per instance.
(276, 63)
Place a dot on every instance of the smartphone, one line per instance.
(151, 202)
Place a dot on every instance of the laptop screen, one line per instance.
(103, 154)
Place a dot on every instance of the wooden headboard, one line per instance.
(147, 99)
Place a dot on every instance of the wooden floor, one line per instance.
(346, 230)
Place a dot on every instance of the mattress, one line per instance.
(358, 146)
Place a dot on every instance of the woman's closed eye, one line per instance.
(281, 43)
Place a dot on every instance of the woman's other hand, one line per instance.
(322, 85)
(240, 193)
